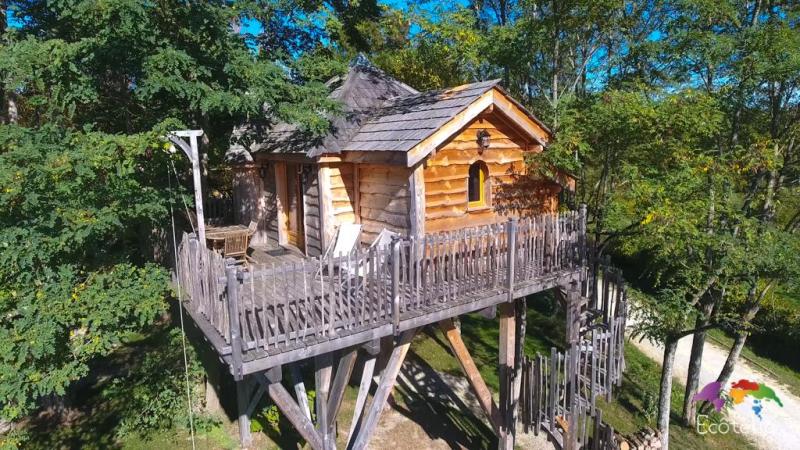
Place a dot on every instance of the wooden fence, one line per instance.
(278, 307)
(559, 390)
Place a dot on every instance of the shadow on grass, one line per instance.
(429, 401)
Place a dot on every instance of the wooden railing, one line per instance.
(559, 390)
(280, 307)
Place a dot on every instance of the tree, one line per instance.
(83, 173)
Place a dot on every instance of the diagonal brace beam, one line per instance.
(290, 409)
(474, 377)
(388, 378)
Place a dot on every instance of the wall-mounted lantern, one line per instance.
(483, 140)
(262, 171)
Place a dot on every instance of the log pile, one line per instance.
(644, 439)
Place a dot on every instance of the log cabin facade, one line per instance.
(396, 159)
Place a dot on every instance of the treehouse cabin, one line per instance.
(474, 230)
(397, 159)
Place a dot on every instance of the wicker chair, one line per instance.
(252, 228)
(236, 245)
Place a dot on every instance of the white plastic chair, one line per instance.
(346, 239)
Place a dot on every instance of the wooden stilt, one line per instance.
(300, 390)
(343, 372)
(506, 362)
(363, 391)
(292, 412)
(322, 377)
(521, 311)
(388, 378)
(243, 401)
(482, 392)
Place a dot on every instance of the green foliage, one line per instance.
(70, 288)
(152, 395)
(83, 173)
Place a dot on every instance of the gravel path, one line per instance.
(780, 427)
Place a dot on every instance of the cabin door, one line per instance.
(294, 206)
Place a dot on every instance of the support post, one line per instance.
(232, 278)
(322, 378)
(388, 378)
(343, 372)
(300, 390)
(511, 235)
(372, 349)
(396, 284)
(192, 152)
(242, 402)
(506, 362)
(520, 322)
(283, 400)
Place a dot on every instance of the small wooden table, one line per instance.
(217, 235)
(220, 233)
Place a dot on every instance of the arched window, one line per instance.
(476, 186)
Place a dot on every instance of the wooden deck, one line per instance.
(288, 308)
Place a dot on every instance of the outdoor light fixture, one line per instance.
(483, 140)
(262, 172)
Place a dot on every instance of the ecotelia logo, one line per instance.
(738, 392)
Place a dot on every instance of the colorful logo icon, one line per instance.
(738, 392)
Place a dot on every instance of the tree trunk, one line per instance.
(665, 392)
(733, 357)
(693, 375)
(695, 362)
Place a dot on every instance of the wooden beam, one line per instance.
(242, 401)
(520, 322)
(513, 111)
(391, 158)
(474, 377)
(322, 377)
(300, 390)
(506, 362)
(357, 192)
(363, 390)
(326, 216)
(282, 203)
(388, 378)
(416, 203)
(343, 372)
(283, 400)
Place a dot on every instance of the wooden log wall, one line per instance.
(254, 199)
(447, 171)
(312, 210)
(383, 199)
(338, 197)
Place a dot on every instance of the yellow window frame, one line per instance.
(481, 201)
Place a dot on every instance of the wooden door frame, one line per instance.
(282, 191)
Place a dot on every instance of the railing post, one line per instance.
(582, 234)
(396, 285)
(511, 236)
(231, 275)
(193, 270)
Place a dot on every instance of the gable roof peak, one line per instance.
(362, 61)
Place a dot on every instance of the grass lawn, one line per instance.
(782, 373)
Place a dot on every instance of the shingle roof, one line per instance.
(361, 92)
(403, 122)
(379, 113)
